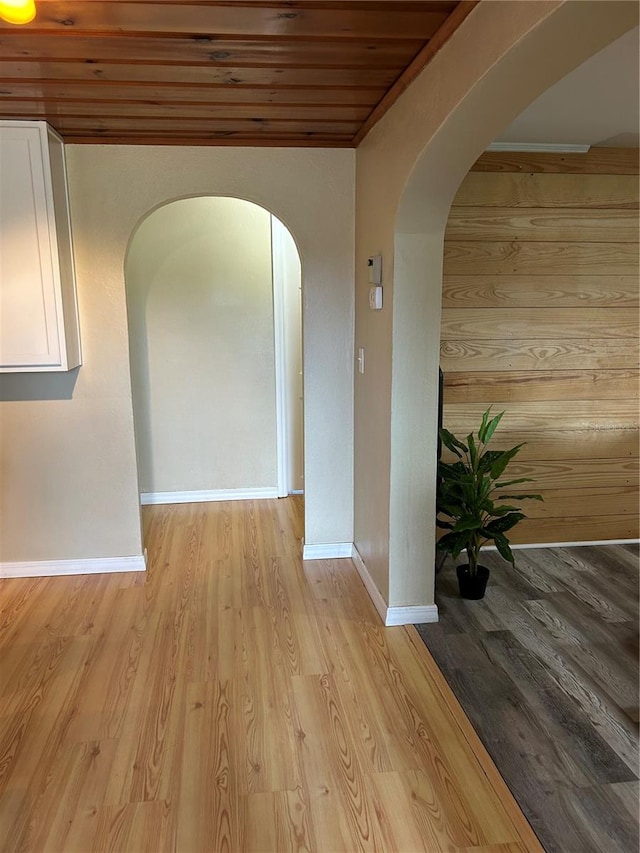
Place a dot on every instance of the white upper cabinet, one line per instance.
(38, 311)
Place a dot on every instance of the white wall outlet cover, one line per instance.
(375, 297)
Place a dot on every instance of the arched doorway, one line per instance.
(409, 168)
(213, 299)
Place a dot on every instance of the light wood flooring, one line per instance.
(232, 699)
(546, 668)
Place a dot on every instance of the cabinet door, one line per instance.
(30, 310)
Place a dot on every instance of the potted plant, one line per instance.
(470, 502)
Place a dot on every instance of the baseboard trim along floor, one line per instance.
(206, 495)
(327, 551)
(93, 566)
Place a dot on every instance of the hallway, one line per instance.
(233, 698)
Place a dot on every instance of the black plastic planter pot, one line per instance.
(472, 586)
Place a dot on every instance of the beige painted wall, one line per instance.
(408, 169)
(68, 470)
(200, 308)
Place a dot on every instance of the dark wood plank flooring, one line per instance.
(546, 668)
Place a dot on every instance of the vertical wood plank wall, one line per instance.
(540, 319)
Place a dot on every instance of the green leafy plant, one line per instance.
(470, 501)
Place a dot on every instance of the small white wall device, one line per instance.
(375, 269)
(375, 280)
(375, 297)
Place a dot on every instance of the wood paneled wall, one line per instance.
(540, 319)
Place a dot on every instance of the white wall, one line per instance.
(68, 469)
(408, 169)
(200, 308)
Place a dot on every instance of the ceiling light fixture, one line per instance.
(17, 11)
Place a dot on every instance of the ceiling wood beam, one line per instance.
(301, 141)
(198, 75)
(16, 45)
(175, 93)
(162, 124)
(335, 20)
(119, 109)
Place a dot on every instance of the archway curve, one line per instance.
(435, 138)
(258, 203)
(228, 273)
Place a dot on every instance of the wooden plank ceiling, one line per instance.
(300, 72)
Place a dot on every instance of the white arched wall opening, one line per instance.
(408, 169)
(213, 296)
(112, 188)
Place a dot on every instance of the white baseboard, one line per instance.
(409, 615)
(566, 544)
(329, 551)
(93, 566)
(147, 498)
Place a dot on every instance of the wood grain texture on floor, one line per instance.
(233, 698)
(546, 668)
